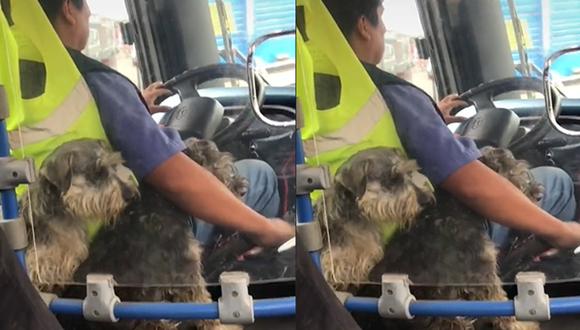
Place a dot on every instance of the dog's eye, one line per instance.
(393, 181)
(101, 172)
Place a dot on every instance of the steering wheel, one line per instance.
(187, 84)
(488, 116)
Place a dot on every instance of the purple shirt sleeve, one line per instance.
(425, 136)
(129, 126)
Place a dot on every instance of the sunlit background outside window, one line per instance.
(246, 20)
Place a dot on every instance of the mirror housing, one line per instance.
(128, 33)
(552, 100)
(252, 84)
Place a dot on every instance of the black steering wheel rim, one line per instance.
(482, 95)
(187, 83)
(482, 98)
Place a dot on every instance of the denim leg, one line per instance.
(262, 195)
(558, 199)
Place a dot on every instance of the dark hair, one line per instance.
(346, 13)
(52, 8)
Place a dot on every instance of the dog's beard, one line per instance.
(58, 257)
(352, 262)
(382, 207)
(103, 205)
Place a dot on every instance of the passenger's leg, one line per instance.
(558, 199)
(262, 195)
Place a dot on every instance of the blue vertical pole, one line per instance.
(303, 202)
(9, 201)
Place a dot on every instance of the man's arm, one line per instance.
(452, 164)
(154, 155)
(202, 195)
(494, 197)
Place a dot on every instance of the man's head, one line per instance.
(362, 25)
(70, 19)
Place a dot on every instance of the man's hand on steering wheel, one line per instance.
(450, 103)
(151, 93)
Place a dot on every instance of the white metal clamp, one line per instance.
(531, 303)
(236, 306)
(99, 304)
(396, 298)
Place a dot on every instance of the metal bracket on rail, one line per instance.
(311, 178)
(396, 298)
(311, 235)
(14, 172)
(531, 302)
(15, 230)
(236, 306)
(101, 299)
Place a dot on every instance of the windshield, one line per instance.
(234, 26)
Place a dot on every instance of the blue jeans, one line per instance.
(558, 200)
(262, 195)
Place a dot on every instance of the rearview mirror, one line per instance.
(128, 33)
(561, 81)
(281, 68)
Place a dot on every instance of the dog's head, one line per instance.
(384, 186)
(516, 171)
(220, 164)
(86, 179)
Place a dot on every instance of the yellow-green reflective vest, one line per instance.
(64, 110)
(9, 78)
(360, 118)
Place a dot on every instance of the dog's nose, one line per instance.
(374, 187)
(128, 193)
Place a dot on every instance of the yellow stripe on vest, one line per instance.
(60, 121)
(353, 132)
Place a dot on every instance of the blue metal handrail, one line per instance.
(303, 202)
(558, 306)
(9, 201)
(263, 308)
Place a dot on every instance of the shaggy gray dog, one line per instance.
(145, 241)
(81, 183)
(359, 208)
(443, 245)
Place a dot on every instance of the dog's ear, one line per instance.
(240, 186)
(351, 179)
(405, 166)
(57, 172)
(340, 203)
(109, 159)
(44, 198)
(194, 151)
(536, 191)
